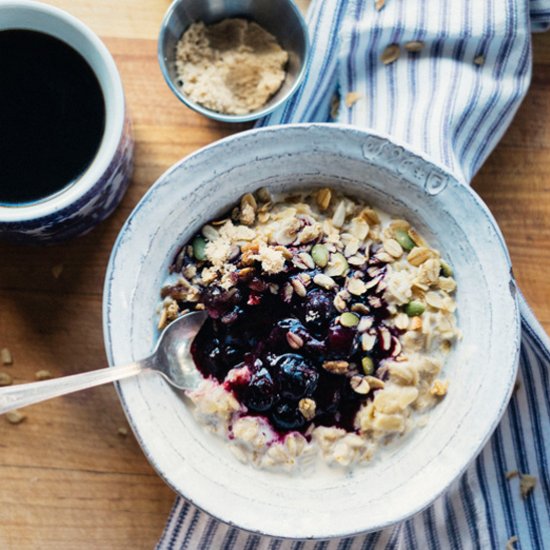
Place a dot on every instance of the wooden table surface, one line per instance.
(67, 478)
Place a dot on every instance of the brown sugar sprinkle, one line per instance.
(352, 98)
(390, 54)
(15, 417)
(6, 356)
(43, 374)
(510, 543)
(5, 379)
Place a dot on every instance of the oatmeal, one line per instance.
(231, 67)
(329, 323)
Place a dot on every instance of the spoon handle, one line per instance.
(21, 395)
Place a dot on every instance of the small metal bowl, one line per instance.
(279, 17)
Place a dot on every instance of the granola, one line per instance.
(329, 325)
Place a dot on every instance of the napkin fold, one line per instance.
(452, 100)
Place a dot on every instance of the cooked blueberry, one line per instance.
(318, 308)
(341, 340)
(297, 378)
(219, 301)
(260, 393)
(286, 416)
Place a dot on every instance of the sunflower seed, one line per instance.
(323, 198)
(43, 375)
(299, 287)
(339, 216)
(6, 356)
(324, 281)
(210, 233)
(390, 54)
(414, 46)
(15, 417)
(5, 379)
(336, 367)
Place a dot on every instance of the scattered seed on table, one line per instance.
(479, 60)
(352, 98)
(57, 270)
(122, 431)
(43, 374)
(15, 417)
(379, 4)
(5, 379)
(414, 46)
(390, 54)
(6, 356)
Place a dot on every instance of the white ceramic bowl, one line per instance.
(407, 476)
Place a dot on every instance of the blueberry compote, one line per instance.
(280, 343)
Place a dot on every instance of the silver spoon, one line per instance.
(171, 358)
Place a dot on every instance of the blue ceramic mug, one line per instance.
(93, 196)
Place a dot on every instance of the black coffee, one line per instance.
(52, 116)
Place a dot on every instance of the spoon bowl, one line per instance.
(171, 358)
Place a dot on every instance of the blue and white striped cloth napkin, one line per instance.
(442, 102)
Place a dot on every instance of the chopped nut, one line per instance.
(15, 417)
(367, 341)
(340, 303)
(122, 431)
(324, 281)
(359, 384)
(356, 287)
(390, 54)
(307, 407)
(439, 388)
(370, 216)
(419, 255)
(385, 337)
(526, 484)
(364, 324)
(393, 248)
(210, 233)
(414, 46)
(249, 207)
(6, 356)
(294, 341)
(323, 198)
(263, 194)
(5, 379)
(43, 375)
(510, 543)
(307, 260)
(415, 236)
(339, 216)
(352, 98)
(375, 383)
(336, 367)
(416, 323)
(57, 270)
(511, 474)
(360, 308)
(298, 286)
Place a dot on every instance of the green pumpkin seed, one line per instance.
(199, 249)
(368, 365)
(319, 253)
(446, 269)
(349, 319)
(402, 237)
(414, 309)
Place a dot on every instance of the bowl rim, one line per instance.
(515, 328)
(222, 117)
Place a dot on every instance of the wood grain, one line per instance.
(68, 479)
